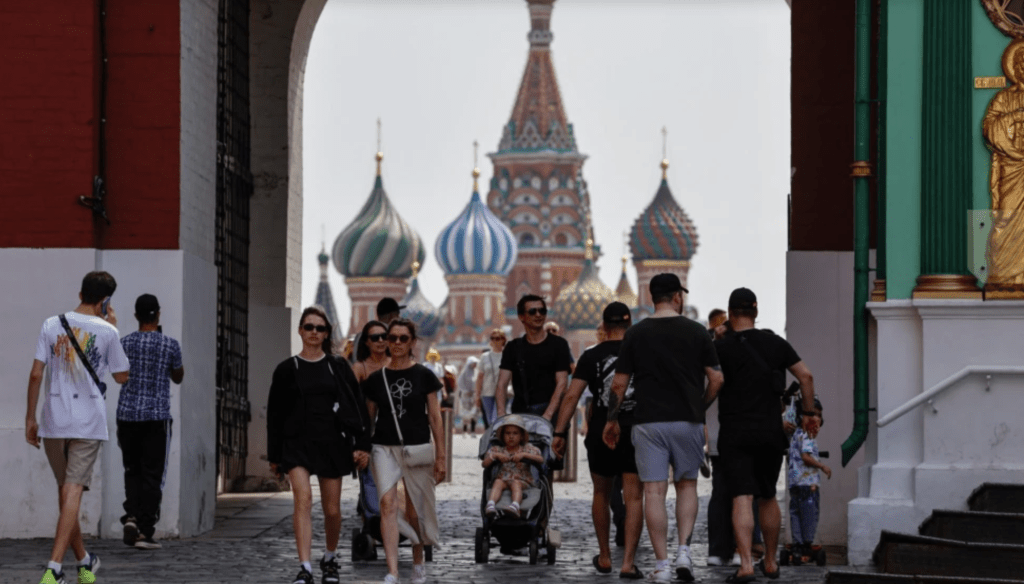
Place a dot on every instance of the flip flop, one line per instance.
(635, 574)
(597, 566)
(770, 575)
(735, 578)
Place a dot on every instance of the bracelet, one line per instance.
(561, 434)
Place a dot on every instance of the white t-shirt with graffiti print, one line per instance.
(73, 406)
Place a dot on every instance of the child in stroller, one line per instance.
(513, 473)
(527, 524)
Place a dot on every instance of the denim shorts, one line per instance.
(660, 444)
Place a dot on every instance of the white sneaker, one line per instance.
(736, 560)
(662, 575)
(684, 567)
(419, 574)
(715, 561)
(389, 579)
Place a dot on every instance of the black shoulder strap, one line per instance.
(753, 353)
(81, 355)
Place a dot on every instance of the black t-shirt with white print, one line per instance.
(409, 389)
(597, 367)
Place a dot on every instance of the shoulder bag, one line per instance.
(85, 361)
(415, 454)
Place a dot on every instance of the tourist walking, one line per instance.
(468, 410)
(144, 421)
(668, 356)
(536, 363)
(388, 309)
(73, 351)
(403, 399)
(316, 425)
(596, 370)
(372, 350)
(751, 441)
(487, 377)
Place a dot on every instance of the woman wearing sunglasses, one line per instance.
(305, 436)
(403, 398)
(372, 352)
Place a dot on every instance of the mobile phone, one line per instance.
(105, 305)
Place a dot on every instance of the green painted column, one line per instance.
(946, 143)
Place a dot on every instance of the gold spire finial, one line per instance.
(415, 269)
(476, 170)
(625, 260)
(664, 153)
(589, 253)
(380, 154)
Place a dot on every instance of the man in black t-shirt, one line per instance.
(751, 440)
(668, 357)
(596, 370)
(536, 363)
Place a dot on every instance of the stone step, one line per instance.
(997, 498)
(920, 555)
(848, 577)
(975, 526)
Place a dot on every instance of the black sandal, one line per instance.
(735, 578)
(597, 566)
(770, 575)
(634, 574)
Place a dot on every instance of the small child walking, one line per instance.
(804, 464)
(514, 474)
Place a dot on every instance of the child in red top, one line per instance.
(514, 474)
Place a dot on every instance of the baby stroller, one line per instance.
(365, 539)
(530, 529)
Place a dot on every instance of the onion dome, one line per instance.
(663, 231)
(624, 292)
(378, 242)
(580, 305)
(476, 242)
(419, 310)
(324, 298)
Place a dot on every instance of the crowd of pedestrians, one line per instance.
(667, 394)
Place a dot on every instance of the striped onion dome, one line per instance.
(663, 231)
(378, 242)
(476, 242)
(419, 310)
(580, 305)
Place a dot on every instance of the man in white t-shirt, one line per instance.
(74, 413)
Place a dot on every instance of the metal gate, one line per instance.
(234, 188)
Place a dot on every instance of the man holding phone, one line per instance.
(74, 350)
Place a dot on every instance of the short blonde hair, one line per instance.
(500, 333)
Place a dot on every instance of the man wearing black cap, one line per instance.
(596, 369)
(144, 421)
(751, 440)
(667, 356)
(388, 310)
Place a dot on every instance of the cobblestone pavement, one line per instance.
(252, 542)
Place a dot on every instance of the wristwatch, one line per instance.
(561, 434)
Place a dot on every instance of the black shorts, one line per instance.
(606, 462)
(750, 462)
(325, 459)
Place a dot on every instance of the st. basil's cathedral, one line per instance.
(530, 233)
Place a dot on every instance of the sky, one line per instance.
(443, 73)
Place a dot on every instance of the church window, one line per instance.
(553, 183)
(527, 240)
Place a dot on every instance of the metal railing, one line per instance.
(929, 396)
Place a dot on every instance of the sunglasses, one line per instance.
(377, 337)
(536, 311)
(399, 338)
(314, 327)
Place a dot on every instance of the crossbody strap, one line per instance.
(387, 390)
(81, 355)
(753, 353)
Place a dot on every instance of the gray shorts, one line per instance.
(660, 444)
(72, 459)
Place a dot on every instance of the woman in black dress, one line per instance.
(305, 435)
(406, 392)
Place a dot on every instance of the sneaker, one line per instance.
(736, 560)
(51, 577)
(329, 570)
(513, 509)
(662, 575)
(304, 577)
(87, 572)
(715, 561)
(684, 567)
(491, 509)
(389, 579)
(147, 543)
(131, 531)
(419, 574)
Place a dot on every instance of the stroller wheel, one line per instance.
(428, 553)
(483, 545)
(551, 554)
(533, 551)
(820, 557)
(358, 546)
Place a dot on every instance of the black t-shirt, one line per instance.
(540, 363)
(667, 357)
(597, 367)
(747, 399)
(409, 390)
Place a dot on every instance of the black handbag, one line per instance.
(81, 355)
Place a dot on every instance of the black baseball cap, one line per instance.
(742, 298)
(617, 312)
(387, 306)
(146, 305)
(666, 284)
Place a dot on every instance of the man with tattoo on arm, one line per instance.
(668, 357)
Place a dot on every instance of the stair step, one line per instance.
(997, 498)
(899, 553)
(847, 577)
(975, 526)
